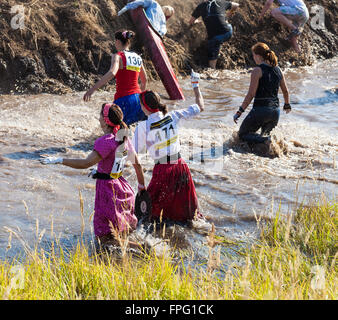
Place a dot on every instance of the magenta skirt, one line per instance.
(114, 206)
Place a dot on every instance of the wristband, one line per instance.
(241, 109)
(141, 186)
(287, 106)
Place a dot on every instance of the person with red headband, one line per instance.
(171, 188)
(127, 68)
(115, 198)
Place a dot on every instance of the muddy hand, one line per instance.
(287, 107)
(87, 95)
(237, 115)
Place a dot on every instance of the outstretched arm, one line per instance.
(199, 98)
(115, 64)
(92, 159)
(266, 7)
(195, 78)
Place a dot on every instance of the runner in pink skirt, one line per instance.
(115, 198)
(171, 188)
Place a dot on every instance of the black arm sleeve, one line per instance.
(197, 12)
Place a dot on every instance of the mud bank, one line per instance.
(66, 45)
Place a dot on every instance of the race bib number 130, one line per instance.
(134, 61)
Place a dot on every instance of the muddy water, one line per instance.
(234, 187)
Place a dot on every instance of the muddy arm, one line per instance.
(285, 90)
(138, 170)
(266, 7)
(255, 76)
(199, 98)
(108, 76)
(92, 159)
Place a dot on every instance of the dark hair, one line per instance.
(265, 52)
(153, 100)
(124, 36)
(115, 116)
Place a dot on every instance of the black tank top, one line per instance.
(267, 91)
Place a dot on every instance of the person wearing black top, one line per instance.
(265, 82)
(215, 20)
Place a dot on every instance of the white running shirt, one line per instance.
(159, 134)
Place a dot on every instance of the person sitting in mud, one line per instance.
(171, 189)
(127, 68)
(218, 28)
(291, 13)
(265, 82)
(156, 14)
(114, 200)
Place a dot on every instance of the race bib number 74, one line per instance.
(134, 61)
(119, 163)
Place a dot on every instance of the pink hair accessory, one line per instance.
(106, 118)
(124, 33)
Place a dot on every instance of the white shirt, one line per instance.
(292, 3)
(154, 13)
(159, 133)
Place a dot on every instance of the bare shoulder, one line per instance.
(256, 72)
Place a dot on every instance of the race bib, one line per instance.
(119, 163)
(164, 134)
(133, 61)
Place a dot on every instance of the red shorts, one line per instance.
(172, 190)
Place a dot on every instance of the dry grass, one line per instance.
(294, 259)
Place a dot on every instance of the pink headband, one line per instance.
(106, 118)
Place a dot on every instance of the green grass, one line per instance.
(295, 258)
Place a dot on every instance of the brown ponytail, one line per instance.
(266, 53)
(115, 115)
(153, 101)
(124, 36)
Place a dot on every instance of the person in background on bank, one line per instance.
(127, 68)
(115, 198)
(265, 82)
(218, 28)
(293, 14)
(171, 188)
(156, 14)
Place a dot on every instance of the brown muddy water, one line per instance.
(234, 187)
